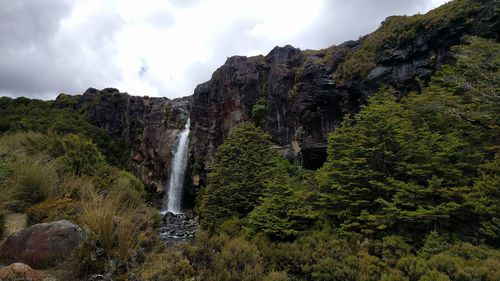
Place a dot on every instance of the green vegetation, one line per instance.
(82, 157)
(53, 178)
(237, 180)
(58, 118)
(399, 29)
(259, 112)
(409, 191)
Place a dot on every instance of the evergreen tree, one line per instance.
(237, 177)
(287, 205)
(407, 165)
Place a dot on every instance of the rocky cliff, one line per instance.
(148, 126)
(303, 94)
(307, 93)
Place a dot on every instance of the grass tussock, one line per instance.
(98, 216)
(126, 236)
(77, 188)
(33, 180)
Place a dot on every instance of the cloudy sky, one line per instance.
(164, 47)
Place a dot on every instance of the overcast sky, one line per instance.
(164, 47)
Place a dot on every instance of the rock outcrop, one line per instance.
(147, 126)
(41, 245)
(307, 93)
(19, 271)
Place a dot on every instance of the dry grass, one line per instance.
(33, 179)
(126, 236)
(112, 222)
(98, 215)
(24, 143)
(78, 188)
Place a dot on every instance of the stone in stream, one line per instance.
(177, 227)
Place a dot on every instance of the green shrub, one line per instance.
(7, 194)
(6, 170)
(170, 265)
(391, 249)
(238, 260)
(231, 227)
(434, 276)
(24, 143)
(77, 188)
(276, 276)
(81, 156)
(203, 251)
(128, 189)
(287, 205)
(124, 178)
(259, 112)
(433, 244)
(394, 275)
(53, 210)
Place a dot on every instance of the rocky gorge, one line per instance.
(304, 94)
(91, 171)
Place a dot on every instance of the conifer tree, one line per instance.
(236, 181)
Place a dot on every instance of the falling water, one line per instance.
(176, 182)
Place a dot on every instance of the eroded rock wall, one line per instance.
(147, 126)
(308, 92)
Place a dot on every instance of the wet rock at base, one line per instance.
(178, 227)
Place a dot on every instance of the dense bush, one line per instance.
(409, 183)
(81, 156)
(236, 181)
(22, 115)
(410, 190)
(408, 165)
(166, 266)
(53, 210)
(286, 206)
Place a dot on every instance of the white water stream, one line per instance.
(172, 200)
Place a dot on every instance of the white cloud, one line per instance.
(165, 48)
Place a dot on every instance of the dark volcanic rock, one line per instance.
(178, 227)
(306, 93)
(41, 245)
(302, 103)
(148, 126)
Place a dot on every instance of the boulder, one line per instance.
(19, 271)
(41, 245)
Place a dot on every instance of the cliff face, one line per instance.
(307, 93)
(148, 126)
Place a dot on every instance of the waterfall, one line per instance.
(172, 202)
